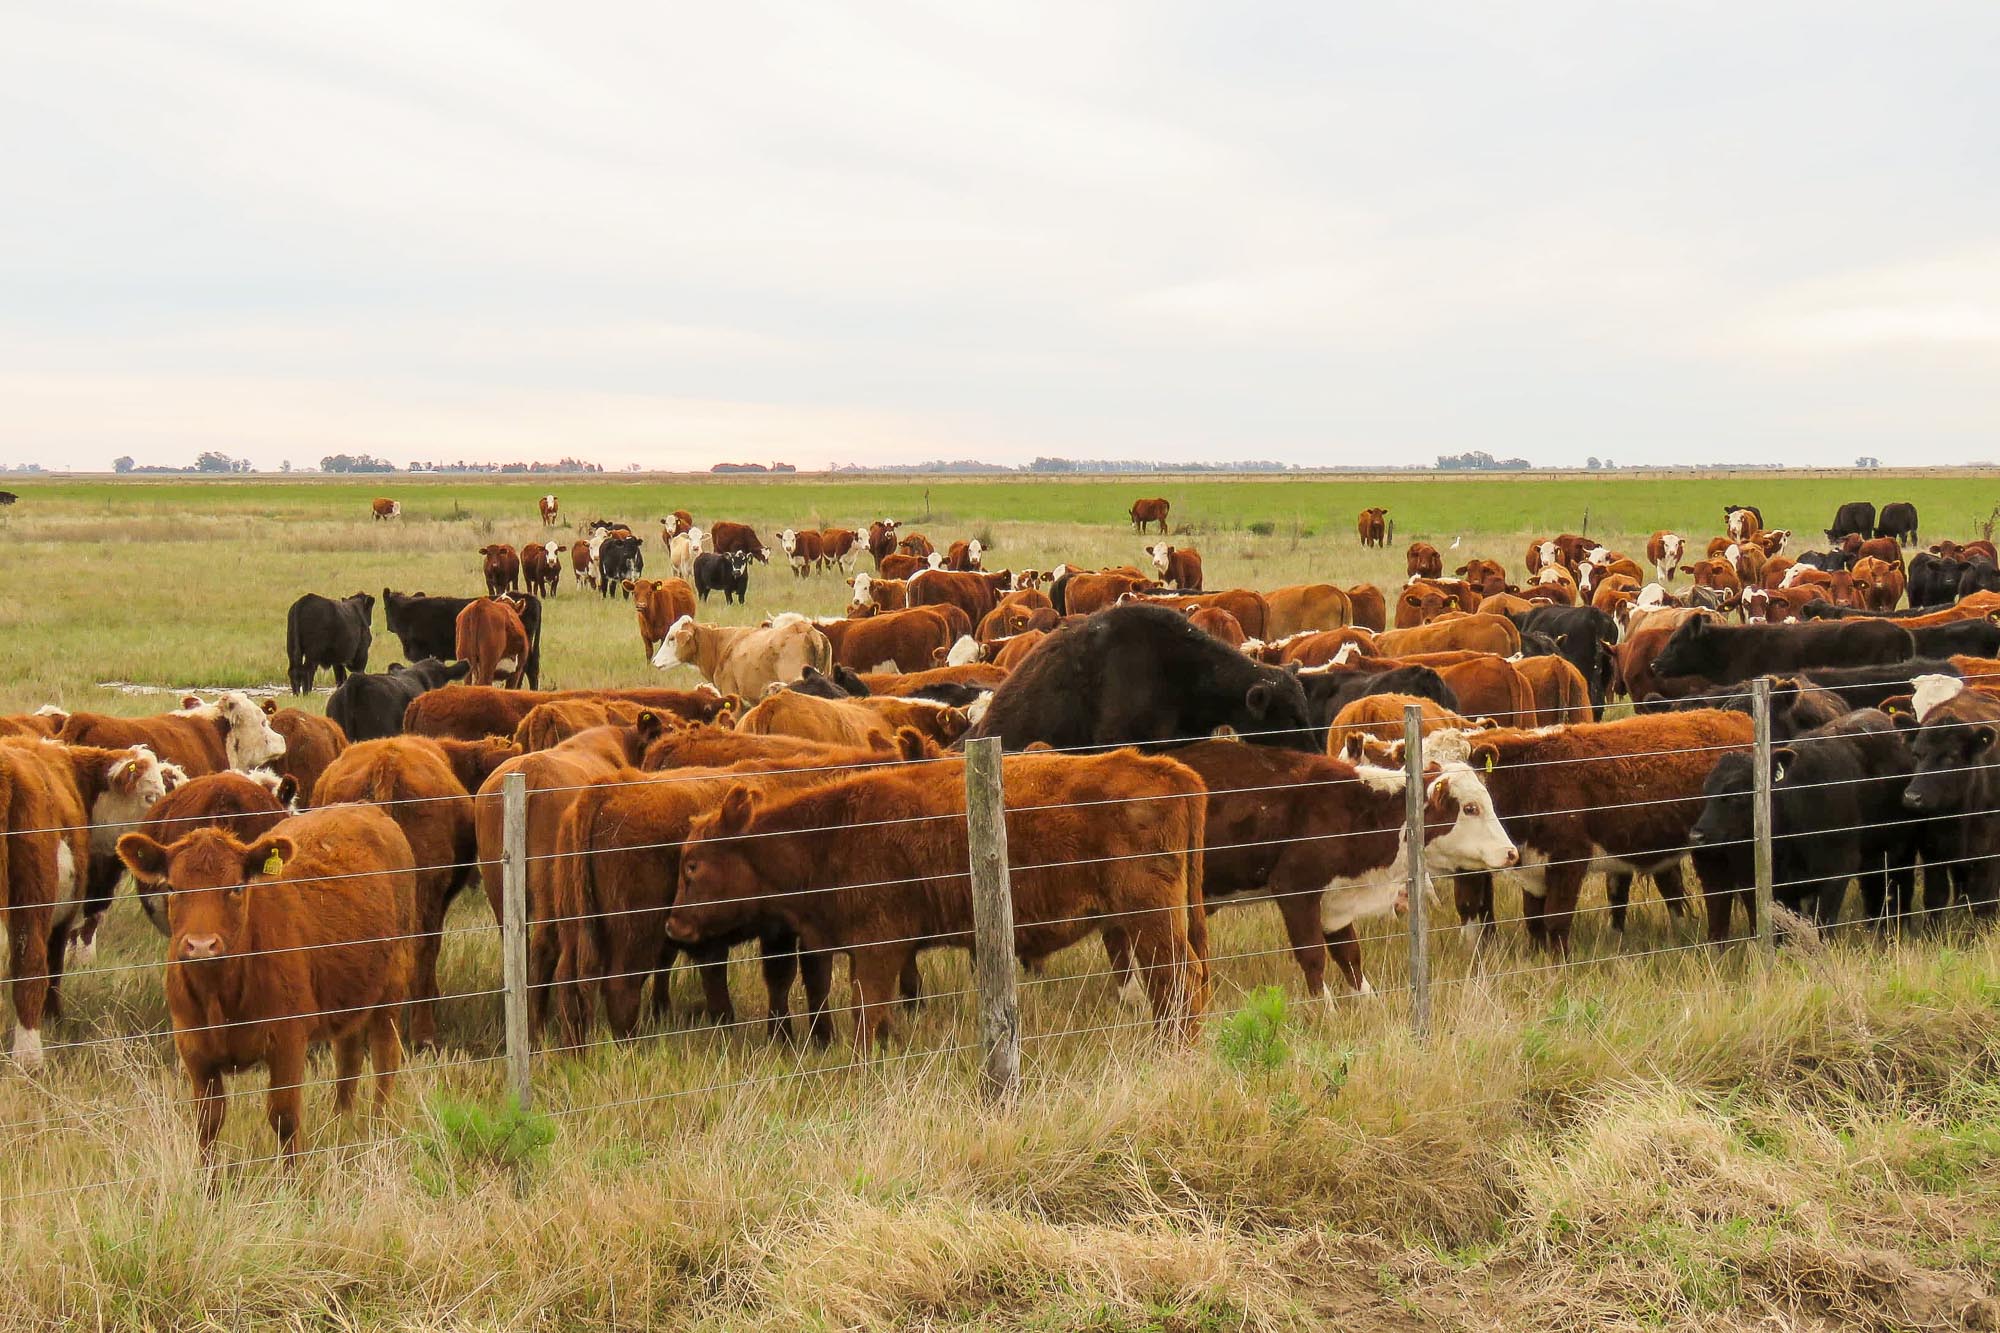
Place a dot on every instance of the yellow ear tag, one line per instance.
(274, 864)
(1489, 763)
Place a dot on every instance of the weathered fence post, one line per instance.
(514, 930)
(1413, 837)
(992, 918)
(1760, 809)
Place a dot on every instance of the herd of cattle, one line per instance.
(1171, 749)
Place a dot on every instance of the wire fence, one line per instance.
(604, 886)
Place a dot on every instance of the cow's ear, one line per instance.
(1782, 758)
(267, 855)
(458, 671)
(1352, 748)
(1687, 569)
(648, 725)
(270, 707)
(739, 806)
(288, 789)
(1484, 758)
(145, 858)
(910, 743)
(1258, 699)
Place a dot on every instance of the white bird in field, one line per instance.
(1455, 541)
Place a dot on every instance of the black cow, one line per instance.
(1979, 576)
(428, 626)
(1797, 706)
(1858, 517)
(1958, 776)
(1586, 638)
(1828, 611)
(1973, 637)
(1898, 520)
(368, 707)
(320, 632)
(1726, 654)
(1932, 580)
(8, 497)
(1872, 686)
(1836, 814)
(1141, 675)
(728, 574)
(620, 558)
(1827, 562)
(842, 684)
(1327, 692)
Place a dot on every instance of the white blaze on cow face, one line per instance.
(1476, 840)
(934, 560)
(861, 582)
(974, 552)
(1549, 553)
(1158, 550)
(669, 654)
(553, 551)
(1931, 690)
(788, 539)
(134, 781)
(251, 742)
(1551, 574)
(1791, 576)
(964, 652)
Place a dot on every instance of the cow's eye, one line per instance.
(1472, 810)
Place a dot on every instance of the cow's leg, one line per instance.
(816, 970)
(211, 1109)
(1473, 895)
(1671, 881)
(430, 938)
(1345, 946)
(628, 960)
(1172, 973)
(1618, 893)
(385, 1052)
(347, 1050)
(711, 964)
(911, 984)
(58, 948)
(1118, 957)
(1300, 913)
(873, 970)
(28, 965)
(780, 964)
(285, 1102)
(1562, 885)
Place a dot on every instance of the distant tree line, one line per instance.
(753, 467)
(209, 462)
(1478, 460)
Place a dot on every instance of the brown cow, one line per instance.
(1248, 607)
(803, 549)
(1127, 867)
(880, 593)
(1475, 633)
(1424, 600)
(502, 568)
(45, 721)
(301, 937)
(1487, 577)
(1506, 604)
(581, 563)
(1322, 839)
(726, 538)
(469, 712)
(1316, 647)
(426, 786)
(916, 544)
(1178, 566)
(1009, 653)
(1664, 551)
(1878, 584)
(1627, 792)
(1381, 716)
(56, 803)
(1562, 696)
(492, 639)
(1423, 561)
(1370, 609)
(550, 509)
(1646, 634)
(658, 604)
(881, 540)
(1217, 624)
(1601, 565)
(1777, 606)
(677, 524)
(1018, 612)
(1555, 585)
(1719, 574)
(901, 566)
(836, 546)
(385, 508)
(1886, 549)
(1150, 511)
(904, 640)
(541, 568)
(972, 675)
(973, 593)
(549, 725)
(311, 743)
(852, 723)
(1613, 594)
(1373, 525)
(964, 557)
(1084, 594)
(1306, 606)
(232, 732)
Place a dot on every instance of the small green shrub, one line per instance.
(1263, 527)
(466, 1140)
(1253, 1038)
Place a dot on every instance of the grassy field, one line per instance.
(1655, 1137)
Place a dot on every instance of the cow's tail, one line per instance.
(381, 789)
(822, 653)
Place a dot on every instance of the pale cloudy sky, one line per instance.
(672, 233)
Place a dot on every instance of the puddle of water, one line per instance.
(254, 691)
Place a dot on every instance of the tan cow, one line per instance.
(747, 660)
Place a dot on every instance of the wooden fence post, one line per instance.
(1413, 837)
(514, 931)
(1760, 810)
(992, 919)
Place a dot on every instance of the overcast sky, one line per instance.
(841, 232)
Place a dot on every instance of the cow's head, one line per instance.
(1161, 554)
(211, 880)
(677, 648)
(1462, 831)
(719, 880)
(248, 738)
(788, 541)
